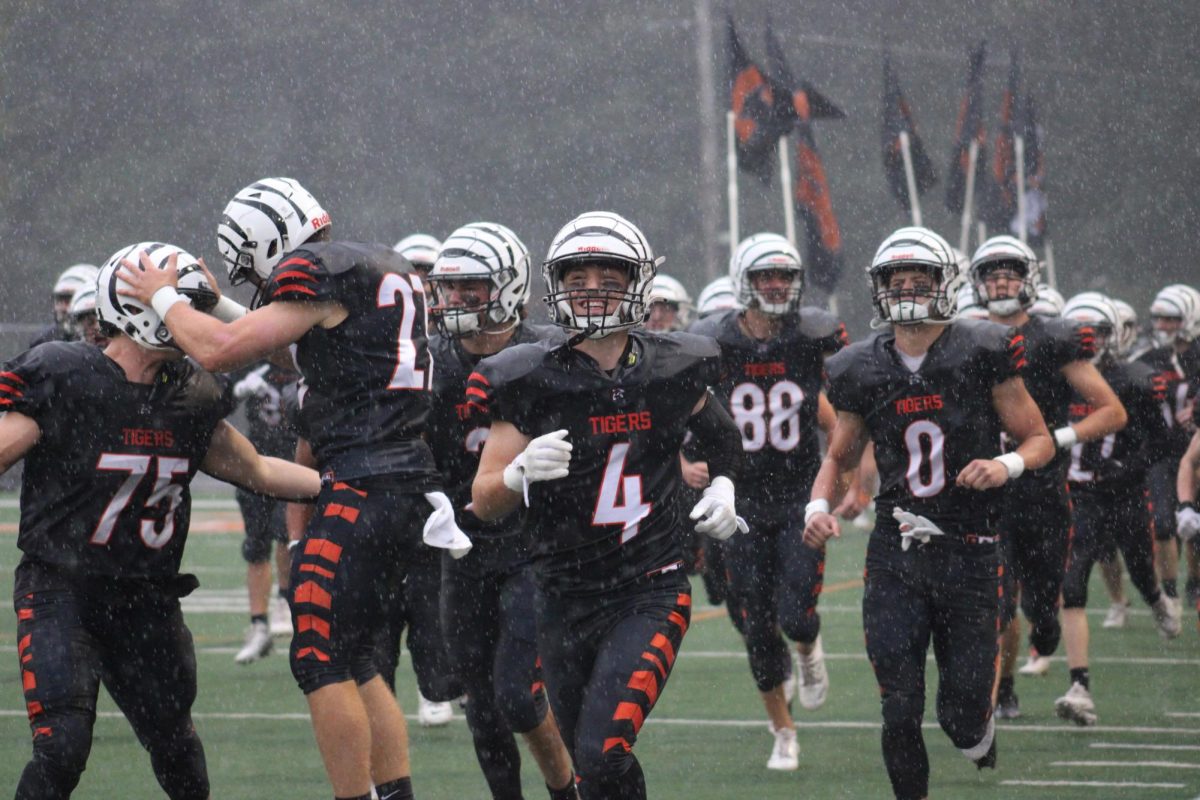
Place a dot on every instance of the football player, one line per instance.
(111, 440)
(260, 388)
(670, 305)
(772, 369)
(421, 250)
(1108, 497)
(357, 318)
(1035, 518)
(933, 394)
(587, 434)
(480, 286)
(1175, 316)
(68, 282)
(84, 322)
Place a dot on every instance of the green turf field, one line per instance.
(707, 738)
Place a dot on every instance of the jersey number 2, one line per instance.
(620, 500)
(394, 286)
(137, 466)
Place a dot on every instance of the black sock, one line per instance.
(366, 796)
(283, 593)
(399, 789)
(565, 793)
(1006, 686)
(1080, 675)
(1170, 589)
(258, 618)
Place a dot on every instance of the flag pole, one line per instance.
(914, 201)
(1051, 275)
(981, 232)
(732, 185)
(964, 234)
(1019, 147)
(785, 178)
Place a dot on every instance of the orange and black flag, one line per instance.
(1035, 174)
(813, 203)
(897, 118)
(1000, 204)
(758, 121)
(970, 128)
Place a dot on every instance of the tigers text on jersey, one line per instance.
(929, 424)
(458, 428)
(105, 489)
(1051, 344)
(771, 389)
(1118, 462)
(613, 520)
(370, 375)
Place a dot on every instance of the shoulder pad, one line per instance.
(713, 324)
(817, 323)
(514, 362)
(686, 343)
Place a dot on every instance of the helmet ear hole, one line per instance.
(272, 248)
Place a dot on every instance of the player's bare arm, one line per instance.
(232, 458)
(1185, 482)
(490, 498)
(222, 346)
(846, 445)
(18, 435)
(1108, 415)
(297, 515)
(848, 484)
(1021, 419)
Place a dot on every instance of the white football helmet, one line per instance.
(966, 307)
(84, 301)
(1176, 301)
(1097, 311)
(759, 253)
(1049, 302)
(1128, 332)
(262, 222)
(914, 248)
(1011, 253)
(600, 237)
(73, 278)
(480, 251)
(420, 249)
(665, 289)
(719, 295)
(127, 314)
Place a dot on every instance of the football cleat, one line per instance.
(432, 714)
(1076, 705)
(1036, 664)
(1008, 706)
(1166, 616)
(988, 760)
(258, 644)
(785, 755)
(814, 679)
(1117, 616)
(281, 618)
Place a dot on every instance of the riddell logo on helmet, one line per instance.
(590, 248)
(320, 222)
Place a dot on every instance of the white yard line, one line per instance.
(1124, 764)
(1098, 784)
(1126, 746)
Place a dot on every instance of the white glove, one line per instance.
(715, 511)
(252, 384)
(1187, 522)
(546, 458)
(914, 526)
(441, 531)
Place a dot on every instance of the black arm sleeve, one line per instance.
(719, 439)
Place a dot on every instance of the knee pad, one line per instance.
(970, 731)
(903, 711)
(1044, 635)
(800, 625)
(602, 763)
(522, 707)
(256, 551)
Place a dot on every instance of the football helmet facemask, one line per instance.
(1097, 311)
(765, 252)
(479, 251)
(1006, 252)
(1177, 301)
(420, 249)
(264, 221)
(719, 295)
(665, 289)
(919, 249)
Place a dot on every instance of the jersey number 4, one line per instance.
(406, 289)
(620, 499)
(165, 469)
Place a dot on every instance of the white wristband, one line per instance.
(818, 506)
(164, 298)
(228, 310)
(1065, 437)
(1014, 463)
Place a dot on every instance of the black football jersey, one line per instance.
(929, 424)
(771, 390)
(614, 519)
(370, 375)
(1177, 390)
(267, 426)
(1050, 344)
(105, 489)
(1119, 461)
(458, 428)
